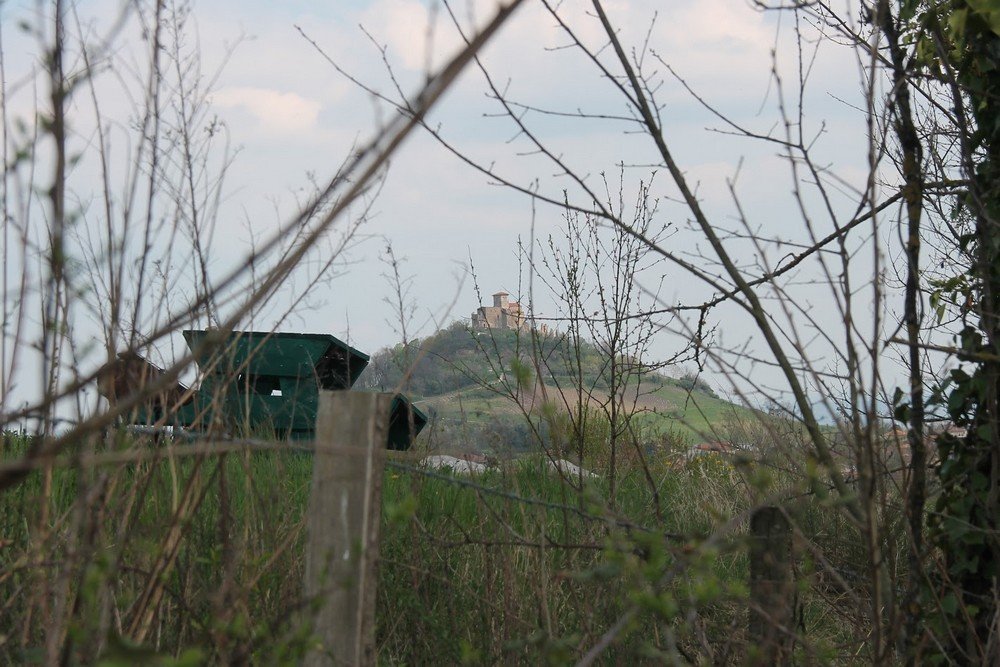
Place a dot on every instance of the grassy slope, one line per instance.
(469, 381)
(695, 414)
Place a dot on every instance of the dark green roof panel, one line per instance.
(336, 364)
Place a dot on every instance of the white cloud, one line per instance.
(275, 111)
(416, 35)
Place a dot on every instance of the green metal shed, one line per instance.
(269, 383)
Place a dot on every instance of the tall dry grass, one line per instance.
(515, 566)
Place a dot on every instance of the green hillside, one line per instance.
(490, 385)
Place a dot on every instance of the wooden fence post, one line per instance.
(342, 525)
(772, 592)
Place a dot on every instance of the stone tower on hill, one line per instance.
(503, 314)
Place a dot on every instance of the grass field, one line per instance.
(515, 566)
(481, 380)
(692, 416)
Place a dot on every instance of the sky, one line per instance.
(286, 119)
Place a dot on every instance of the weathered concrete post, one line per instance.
(342, 525)
(772, 589)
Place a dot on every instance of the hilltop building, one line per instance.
(506, 315)
(503, 314)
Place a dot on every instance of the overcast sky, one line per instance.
(290, 119)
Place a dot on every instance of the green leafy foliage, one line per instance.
(959, 42)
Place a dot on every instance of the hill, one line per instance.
(488, 385)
